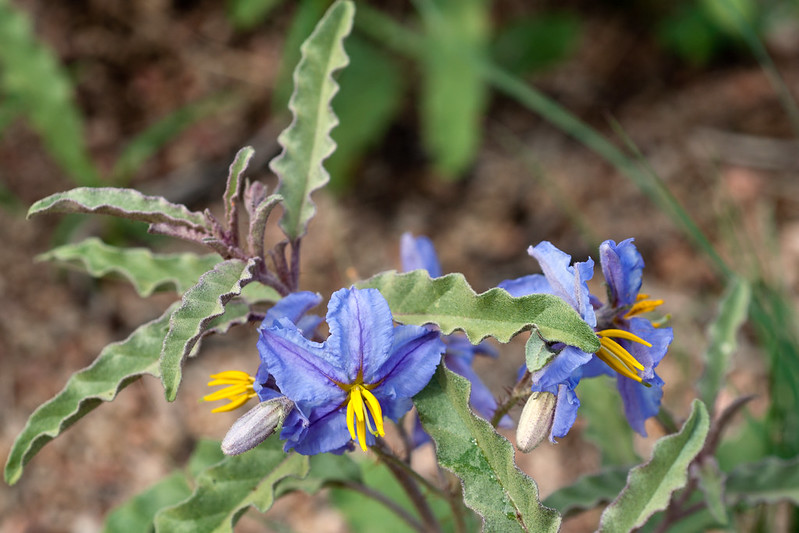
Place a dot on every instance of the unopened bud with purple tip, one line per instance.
(256, 425)
(535, 424)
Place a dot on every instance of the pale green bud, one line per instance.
(536, 420)
(256, 425)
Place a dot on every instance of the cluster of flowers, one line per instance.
(329, 395)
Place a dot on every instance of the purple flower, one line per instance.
(366, 369)
(631, 346)
(419, 253)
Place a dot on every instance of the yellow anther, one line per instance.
(613, 362)
(643, 306)
(376, 412)
(358, 419)
(239, 389)
(621, 334)
(618, 350)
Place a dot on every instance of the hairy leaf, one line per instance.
(450, 303)
(136, 515)
(454, 91)
(588, 491)
(225, 490)
(649, 486)
(40, 88)
(124, 203)
(145, 270)
(234, 190)
(306, 142)
(201, 304)
(771, 480)
(493, 486)
(118, 365)
(732, 314)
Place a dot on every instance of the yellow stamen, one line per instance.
(239, 389)
(376, 412)
(359, 402)
(350, 423)
(621, 334)
(643, 306)
(641, 296)
(618, 350)
(613, 362)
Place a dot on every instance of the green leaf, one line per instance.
(771, 480)
(649, 486)
(136, 515)
(306, 142)
(124, 203)
(247, 14)
(537, 353)
(225, 490)
(30, 75)
(234, 191)
(206, 454)
(323, 468)
(608, 428)
(588, 491)
(118, 365)
(145, 270)
(732, 314)
(450, 303)
(372, 81)
(493, 486)
(201, 304)
(454, 93)
(711, 483)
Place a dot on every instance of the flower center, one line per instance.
(616, 356)
(239, 389)
(361, 406)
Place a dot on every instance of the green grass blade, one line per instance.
(649, 486)
(454, 92)
(147, 271)
(493, 486)
(124, 203)
(733, 310)
(117, 366)
(306, 142)
(588, 491)
(136, 515)
(201, 304)
(31, 75)
(450, 303)
(225, 490)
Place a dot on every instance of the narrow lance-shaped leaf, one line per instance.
(226, 490)
(588, 491)
(117, 366)
(201, 304)
(145, 270)
(124, 203)
(649, 486)
(493, 486)
(450, 303)
(234, 191)
(732, 314)
(137, 514)
(306, 142)
(771, 480)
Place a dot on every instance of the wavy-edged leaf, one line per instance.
(234, 190)
(144, 269)
(225, 490)
(450, 303)
(40, 88)
(493, 486)
(771, 480)
(200, 305)
(136, 515)
(117, 366)
(588, 491)
(649, 486)
(306, 142)
(124, 203)
(732, 314)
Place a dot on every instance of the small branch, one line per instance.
(382, 499)
(724, 419)
(520, 392)
(295, 264)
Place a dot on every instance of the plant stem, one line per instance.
(520, 392)
(382, 499)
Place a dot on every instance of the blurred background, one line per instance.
(682, 133)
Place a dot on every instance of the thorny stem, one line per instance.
(381, 498)
(520, 392)
(408, 480)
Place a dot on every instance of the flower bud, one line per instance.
(256, 425)
(536, 420)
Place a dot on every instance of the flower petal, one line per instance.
(659, 338)
(419, 253)
(532, 284)
(413, 359)
(327, 433)
(622, 266)
(565, 411)
(640, 402)
(361, 331)
(567, 282)
(293, 307)
(561, 367)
